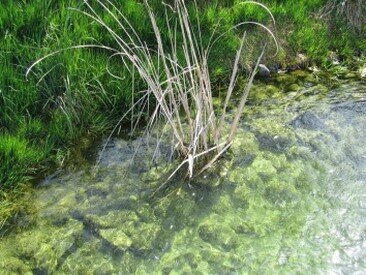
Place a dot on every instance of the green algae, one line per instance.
(263, 209)
(117, 238)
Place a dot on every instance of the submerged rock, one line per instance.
(351, 107)
(217, 233)
(317, 89)
(261, 92)
(263, 71)
(263, 167)
(273, 143)
(113, 219)
(14, 265)
(143, 236)
(224, 205)
(240, 196)
(294, 87)
(47, 247)
(116, 237)
(309, 121)
(280, 192)
(245, 161)
(88, 259)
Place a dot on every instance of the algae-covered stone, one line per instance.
(318, 89)
(264, 167)
(260, 217)
(116, 237)
(46, 257)
(182, 262)
(64, 237)
(294, 87)
(244, 140)
(224, 205)
(218, 233)
(154, 176)
(176, 210)
(241, 176)
(275, 143)
(143, 236)
(222, 262)
(241, 196)
(55, 206)
(271, 89)
(257, 94)
(145, 213)
(279, 192)
(45, 247)
(308, 120)
(13, 265)
(98, 189)
(263, 92)
(88, 259)
(29, 243)
(210, 178)
(279, 161)
(114, 218)
(245, 228)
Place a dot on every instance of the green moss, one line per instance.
(287, 79)
(217, 233)
(14, 265)
(88, 260)
(117, 238)
(294, 87)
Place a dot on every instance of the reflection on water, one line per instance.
(290, 197)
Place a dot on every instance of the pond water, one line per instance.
(289, 197)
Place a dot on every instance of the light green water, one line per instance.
(290, 197)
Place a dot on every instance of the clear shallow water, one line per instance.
(289, 198)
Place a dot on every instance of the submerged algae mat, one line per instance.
(290, 197)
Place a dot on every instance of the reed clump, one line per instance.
(174, 68)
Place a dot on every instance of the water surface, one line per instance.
(290, 197)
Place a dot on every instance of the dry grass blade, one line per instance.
(177, 77)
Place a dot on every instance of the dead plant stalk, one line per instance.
(181, 88)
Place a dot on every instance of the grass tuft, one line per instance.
(176, 75)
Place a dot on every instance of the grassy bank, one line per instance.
(72, 94)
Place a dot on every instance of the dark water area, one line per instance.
(289, 197)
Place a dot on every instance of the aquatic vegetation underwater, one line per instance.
(289, 198)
